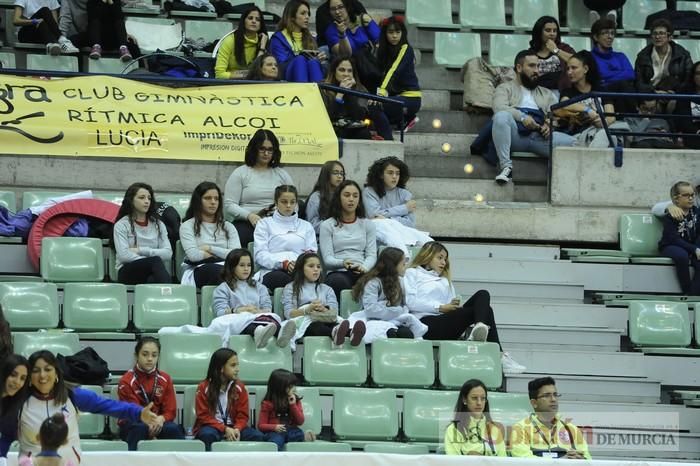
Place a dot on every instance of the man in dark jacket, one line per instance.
(662, 66)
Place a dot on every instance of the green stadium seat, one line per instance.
(640, 234)
(179, 259)
(95, 306)
(693, 47)
(171, 445)
(347, 304)
(57, 342)
(426, 414)
(527, 12)
(577, 19)
(243, 446)
(635, 12)
(103, 445)
(34, 198)
(504, 47)
(189, 414)
(210, 31)
(658, 323)
(7, 198)
(52, 63)
(277, 306)
(157, 306)
(115, 197)
(112, 421)
(185, 357)
(91, 424)
(509, 408)
(365, 414)
(257, 364)
(396, 448)
(630, 46)
(464, 360)
(206, 312)
(479, 14)
(578, 43)
(66, 259)
(318, 446)
(259, 3)
(110, 66)
(179, 201)
(434, 13)
(402, 363)
(7, 60)
(324, 365)
(453, 49)
(29, 305)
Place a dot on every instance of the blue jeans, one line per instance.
(133, 432)
(293, 434)
(209, 435)
(682, 260)
(506, 139)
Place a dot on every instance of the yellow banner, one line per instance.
(103, 116)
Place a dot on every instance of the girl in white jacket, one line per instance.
(279, 239)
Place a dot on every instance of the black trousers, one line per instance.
(146, 270)
(46, 32)
(319, 329)
(245, 231)
(341, 280)
(276, 279)
(600, 5)
(208, 274)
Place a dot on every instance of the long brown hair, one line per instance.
(386, 271)
(426, 254)
(216, 363)
(288, 15)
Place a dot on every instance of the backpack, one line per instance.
(85, 367)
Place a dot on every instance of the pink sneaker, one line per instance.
(411, 124)
(124, 54)
(96, 52)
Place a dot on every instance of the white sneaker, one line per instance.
(479, 332)
(287, 332)
(262, 334)
(505, 176)
(612, 15)
(593, 16)
(67, 46)
(510, 366)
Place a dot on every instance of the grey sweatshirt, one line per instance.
(354, 241)
(147, 239)
(391, 205)
(243, 295)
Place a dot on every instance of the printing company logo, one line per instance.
(31, 93)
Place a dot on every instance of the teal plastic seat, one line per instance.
(171, 445)
(7, 198)
(630, 46)
(91, 424)
(429, 13)
(396, 448)
(210, 31)
(504, 47)
(259, 3)
(453, 49)
(509, 408)
(95, 306)
(347, 304)
(659, 323)
(324, 365)
(577, 19)
(103, 445)
(426, 414)
(318, 446)
(29, 305)
(179, 201)
(692, 46)
(185, 357)
(527, 12)
(7, 60)
(464, 360)
(110, 66)
(34, 198)
(52, 63)
(206, 313)
(640, 234)
(365, 414)
(257, 364)
(635, 12)
(189, 415)
(157, 306)
(578, 43)
(179, 259)
(479, 14)
(403, 363)
(66, 259)
(243, 446)
(277, 306)
(57, 342)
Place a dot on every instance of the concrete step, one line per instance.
(589, 388)
(452, 121)
(435, 99)
(434, 77)
(550, 292)
(593, 339)
(591, 315)
(678, 371)
(513, 270)
(460, 189)
(502, 251)
(596, 363)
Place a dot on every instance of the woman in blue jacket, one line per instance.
(616, 72)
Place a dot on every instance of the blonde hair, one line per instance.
(428, 252)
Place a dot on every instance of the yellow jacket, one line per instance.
(225, 61)
(477, 440)
(531, 435)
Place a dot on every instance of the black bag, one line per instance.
(171, 219)
(368, 68)
(85, 367)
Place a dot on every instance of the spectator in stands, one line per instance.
(144, 384)
(397, 63)
(13, 392)
(660, 209)
(250, 188)
(582, 119)
(680, 239)
(353, 117)
(264, 68)
(39, 25)
(690, 108)
(348, 239)
(519, 121)
(431, 297)
(53, 434)
(324, 19)
(383, 299)
(472, 431)
(294, 47)
(6, 348)
(355, 34)
(319, 201)
(140, 239)
(281, 411)
(616, 72)
(238, 49)
(552, 54)
(662, 66)
(49, 395)
(545, 434)
(601, 6)
(247, 303)
(280, 239)
(221, 403)
(97, 24)
(206, 237)
(313, 305)
(385, 194)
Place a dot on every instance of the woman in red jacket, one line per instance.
(221, 403)
(145, 384)
(281, 413)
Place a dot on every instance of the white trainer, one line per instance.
(479, 332)
(263, 333)
(510, 365)
(287, 332)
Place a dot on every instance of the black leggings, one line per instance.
(452, 325)
(146, 270)
(276, 279)
(45, 33)
(208, 274)
(245, 231)
(341, 280)
(319, 329)
(401, 332)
